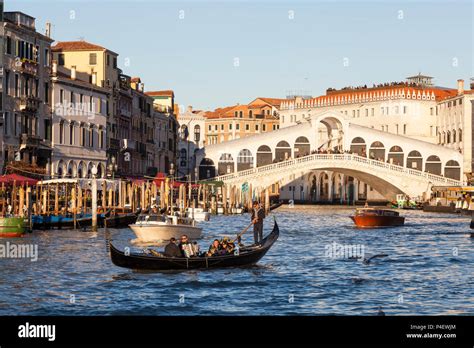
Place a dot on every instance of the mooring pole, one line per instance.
(94, 199)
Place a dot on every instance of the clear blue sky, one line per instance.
(195, 55)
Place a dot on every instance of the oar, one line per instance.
(241, 233)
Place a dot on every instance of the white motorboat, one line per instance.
(198, 214)
(158, 228)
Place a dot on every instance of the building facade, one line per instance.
(78, 126)
(191, 138)
(26, 94)
(238, 121)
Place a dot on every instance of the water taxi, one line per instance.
(371, 217)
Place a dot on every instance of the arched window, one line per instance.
(91, 136)
(377, 151)
(415, 160)
(244, 160)
(454, 135)
(460, 134)
(197, 133)
(452, 170)
(302, 147)
(226, 164)
(359, 147)
(395, 155)
(183, 158)
(448, 137)
(433, 165)
(207, 169)
(282, 151)
(184, 132)
(264, 155)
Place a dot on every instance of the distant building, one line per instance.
(26, 94)
(191, 138)
(166, 130)
(238, 121)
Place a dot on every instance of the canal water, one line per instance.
(428, 270)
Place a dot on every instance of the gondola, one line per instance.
(121, 219)
(247, 256)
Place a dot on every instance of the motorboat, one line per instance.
(370, 217)
(151, 228)
(198, 214)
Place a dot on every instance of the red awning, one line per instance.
(18, 179)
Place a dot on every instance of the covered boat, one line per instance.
(157, 228)
(370, 217)
(245, 257)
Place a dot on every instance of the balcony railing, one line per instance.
(27, 67)
(30, 140)
(29, 104)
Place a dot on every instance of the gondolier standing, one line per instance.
(258, 214)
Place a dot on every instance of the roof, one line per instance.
(271, 101)
(77, 46)
(164, 93)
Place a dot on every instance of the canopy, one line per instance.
(18, 179)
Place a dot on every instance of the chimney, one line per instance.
(460, 86)
(48, 29)
(190, 108)
(94, 78)
(55, 67)
(73, 72)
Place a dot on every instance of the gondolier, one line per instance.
(257, 216)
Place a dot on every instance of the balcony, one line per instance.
(128, 144)
(29, 67)
(29, 140)
(29, 104)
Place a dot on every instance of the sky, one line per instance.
(219, 53)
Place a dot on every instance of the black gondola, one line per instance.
(246, 257)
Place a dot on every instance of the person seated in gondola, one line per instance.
(214, 248)
(186, 247)
(226, 247)
(171, 249)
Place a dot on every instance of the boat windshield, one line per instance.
(145, 218)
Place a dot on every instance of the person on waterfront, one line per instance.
(258, 214)
(171, 249)
(214, 248)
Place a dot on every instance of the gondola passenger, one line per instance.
(186, 247)
(171, 249)
(214, 248)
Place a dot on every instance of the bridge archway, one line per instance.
(377, 151)
(244, 160)
(334, 131)
(452, 170)
(302, 146)
(264, 155)
(225, 164)
(282, 151)
(415, 160)
(433, 165)
(207, 169)
(396, 156)
(359, 146)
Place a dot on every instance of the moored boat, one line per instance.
(157, 228)
(370, 217)
(198, 214)
(246, 256)
(12, 227)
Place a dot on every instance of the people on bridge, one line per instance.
(172, 250)
(257, 216)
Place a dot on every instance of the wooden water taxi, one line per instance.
(371, 217)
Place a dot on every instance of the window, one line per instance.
(7, 81)
(83, 136)
(91, 136)
(247, 127)
(405, 109)
(215, 127)
(92, 58)
(222, 127)
(71, 133)
(241, 114)
(237, 126)
(46, 57)
(17, 85)
(108, 59)
(6, 125)
(47, 129)
(250, 114)
(256, 127)
(61, 61)
(61, 95)
(115, 62)
(264, 127)
(73, 99)
(101, 138)
(373, 112)
(197, 133)
(230, 126)
(61, 132)
(210, 128)
(404, 129)
(431, 111)
(9, 45)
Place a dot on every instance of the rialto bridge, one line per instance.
(330, 158)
